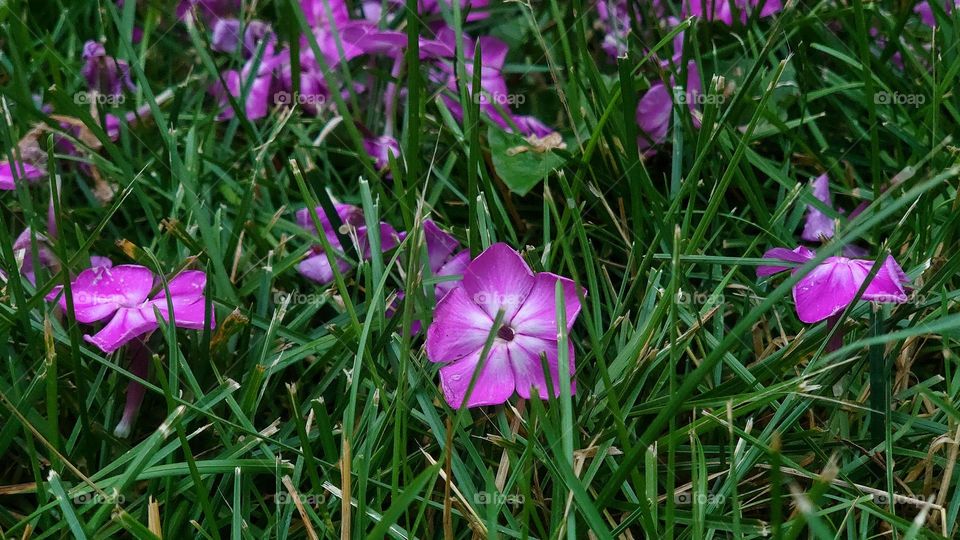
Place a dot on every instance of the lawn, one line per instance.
(479, 269)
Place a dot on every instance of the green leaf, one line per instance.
(519, 164)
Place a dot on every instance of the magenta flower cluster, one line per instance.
(265, 80)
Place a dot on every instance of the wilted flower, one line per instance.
(105, 74)
(316, 265)
(818, 225)
(655, 108)
(499, 279)
(22, 251)
(832, 285)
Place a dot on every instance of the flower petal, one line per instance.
(98, 292)
(348, 214)
(24, 171)
(186, 295)
(317, 268)
(827, 289)
(817, 224)
(127, 324)
(460, 327)
(538, 315)
(456, 266)
(653, 113)
(188, 283)
(527, 369)
(187, 312)
(498, 278)
(887, 285)
(494, 385)
(440, 244)
(799, 254)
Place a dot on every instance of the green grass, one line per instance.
(704, 407)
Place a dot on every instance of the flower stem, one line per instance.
(836, 338)
(139, 365)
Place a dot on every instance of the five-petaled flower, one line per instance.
(121, 293)
(499, 279)
(833, 284)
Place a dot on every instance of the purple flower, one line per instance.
(121, 294)
(655, 108)
(380, 149)
(500, 279)
(926, 12)
(22, 251)
(722, 10)
(262, 85)
(529, 125)
(23, 171)
(226, 35)
(445, 257)
(830, 287)
(105, 74)
(817, 224)
(615, 22)
(316, 266)
(494, 94)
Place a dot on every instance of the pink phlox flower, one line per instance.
(832, 285)
(499, 279)
(121, 294)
